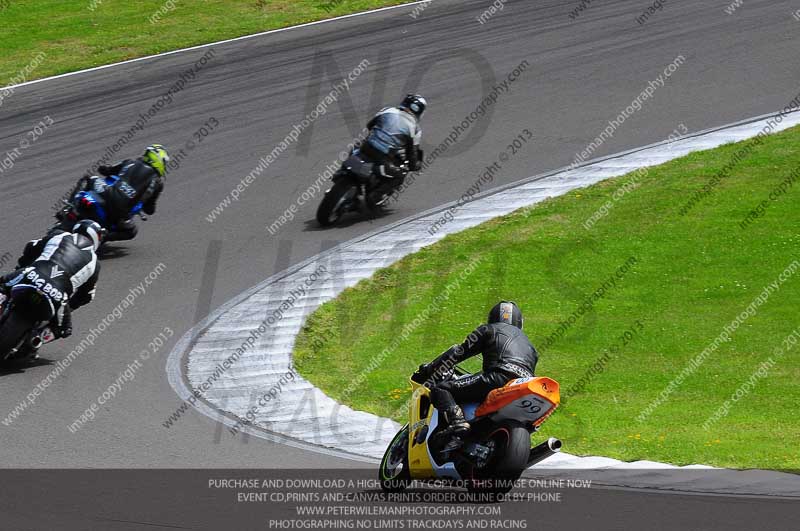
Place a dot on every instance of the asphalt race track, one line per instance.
(581, 73)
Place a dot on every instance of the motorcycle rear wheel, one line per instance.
(513, 445)
(332, 207)
(12, 331)
(394, 474)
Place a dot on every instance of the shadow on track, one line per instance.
(112, 253)
(311, 225)
(19, 366)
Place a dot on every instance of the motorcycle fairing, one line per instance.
(95, 204)
(469, 410)
(20, 287)
(424, 421)
(358, 167)
(419, 460)
(42, 330)
(446, 470)
(526, 400)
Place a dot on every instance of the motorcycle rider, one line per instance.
(140, 180)
(394, 137)
(507, 354)
(67, 261)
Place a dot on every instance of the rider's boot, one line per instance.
(454, 417)
(123, 231)
(381, 194)
(375, 200)
(64, 328)
(456, 427)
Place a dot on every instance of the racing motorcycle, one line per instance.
(356, 181)
(25, 316)
(90, 204)
(495, 451)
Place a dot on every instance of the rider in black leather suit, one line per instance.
(140, 180)
(507, 354)
(394, 137)
(67, 261)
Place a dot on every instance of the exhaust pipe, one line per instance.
(544, 450)
(36, 342)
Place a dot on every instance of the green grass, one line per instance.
(693, 275)
(73, 36)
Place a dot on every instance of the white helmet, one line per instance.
(92, 230)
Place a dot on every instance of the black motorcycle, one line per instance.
(358, 183)
(25, 316)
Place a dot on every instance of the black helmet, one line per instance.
(414, 103)
(506, 312)
(90, 229)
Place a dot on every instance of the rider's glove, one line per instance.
(5, 287)
(424, 370)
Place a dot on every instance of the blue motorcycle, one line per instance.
(91, 204)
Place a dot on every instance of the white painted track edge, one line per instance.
(206, 45)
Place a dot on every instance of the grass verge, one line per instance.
(686, 278)
(58, 36)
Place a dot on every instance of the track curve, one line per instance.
(247, 344)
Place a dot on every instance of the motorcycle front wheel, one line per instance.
(394, 474)
(335, 202)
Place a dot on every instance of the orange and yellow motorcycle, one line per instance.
(495, 451)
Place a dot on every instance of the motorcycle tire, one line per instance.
(12, 332)
(332, 207)
(513, 448)
(394, 474)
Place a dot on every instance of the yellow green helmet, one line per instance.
(156, 156)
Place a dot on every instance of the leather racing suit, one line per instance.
(507, 354)
(63, 265)
(138, 182)
(394, 138)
